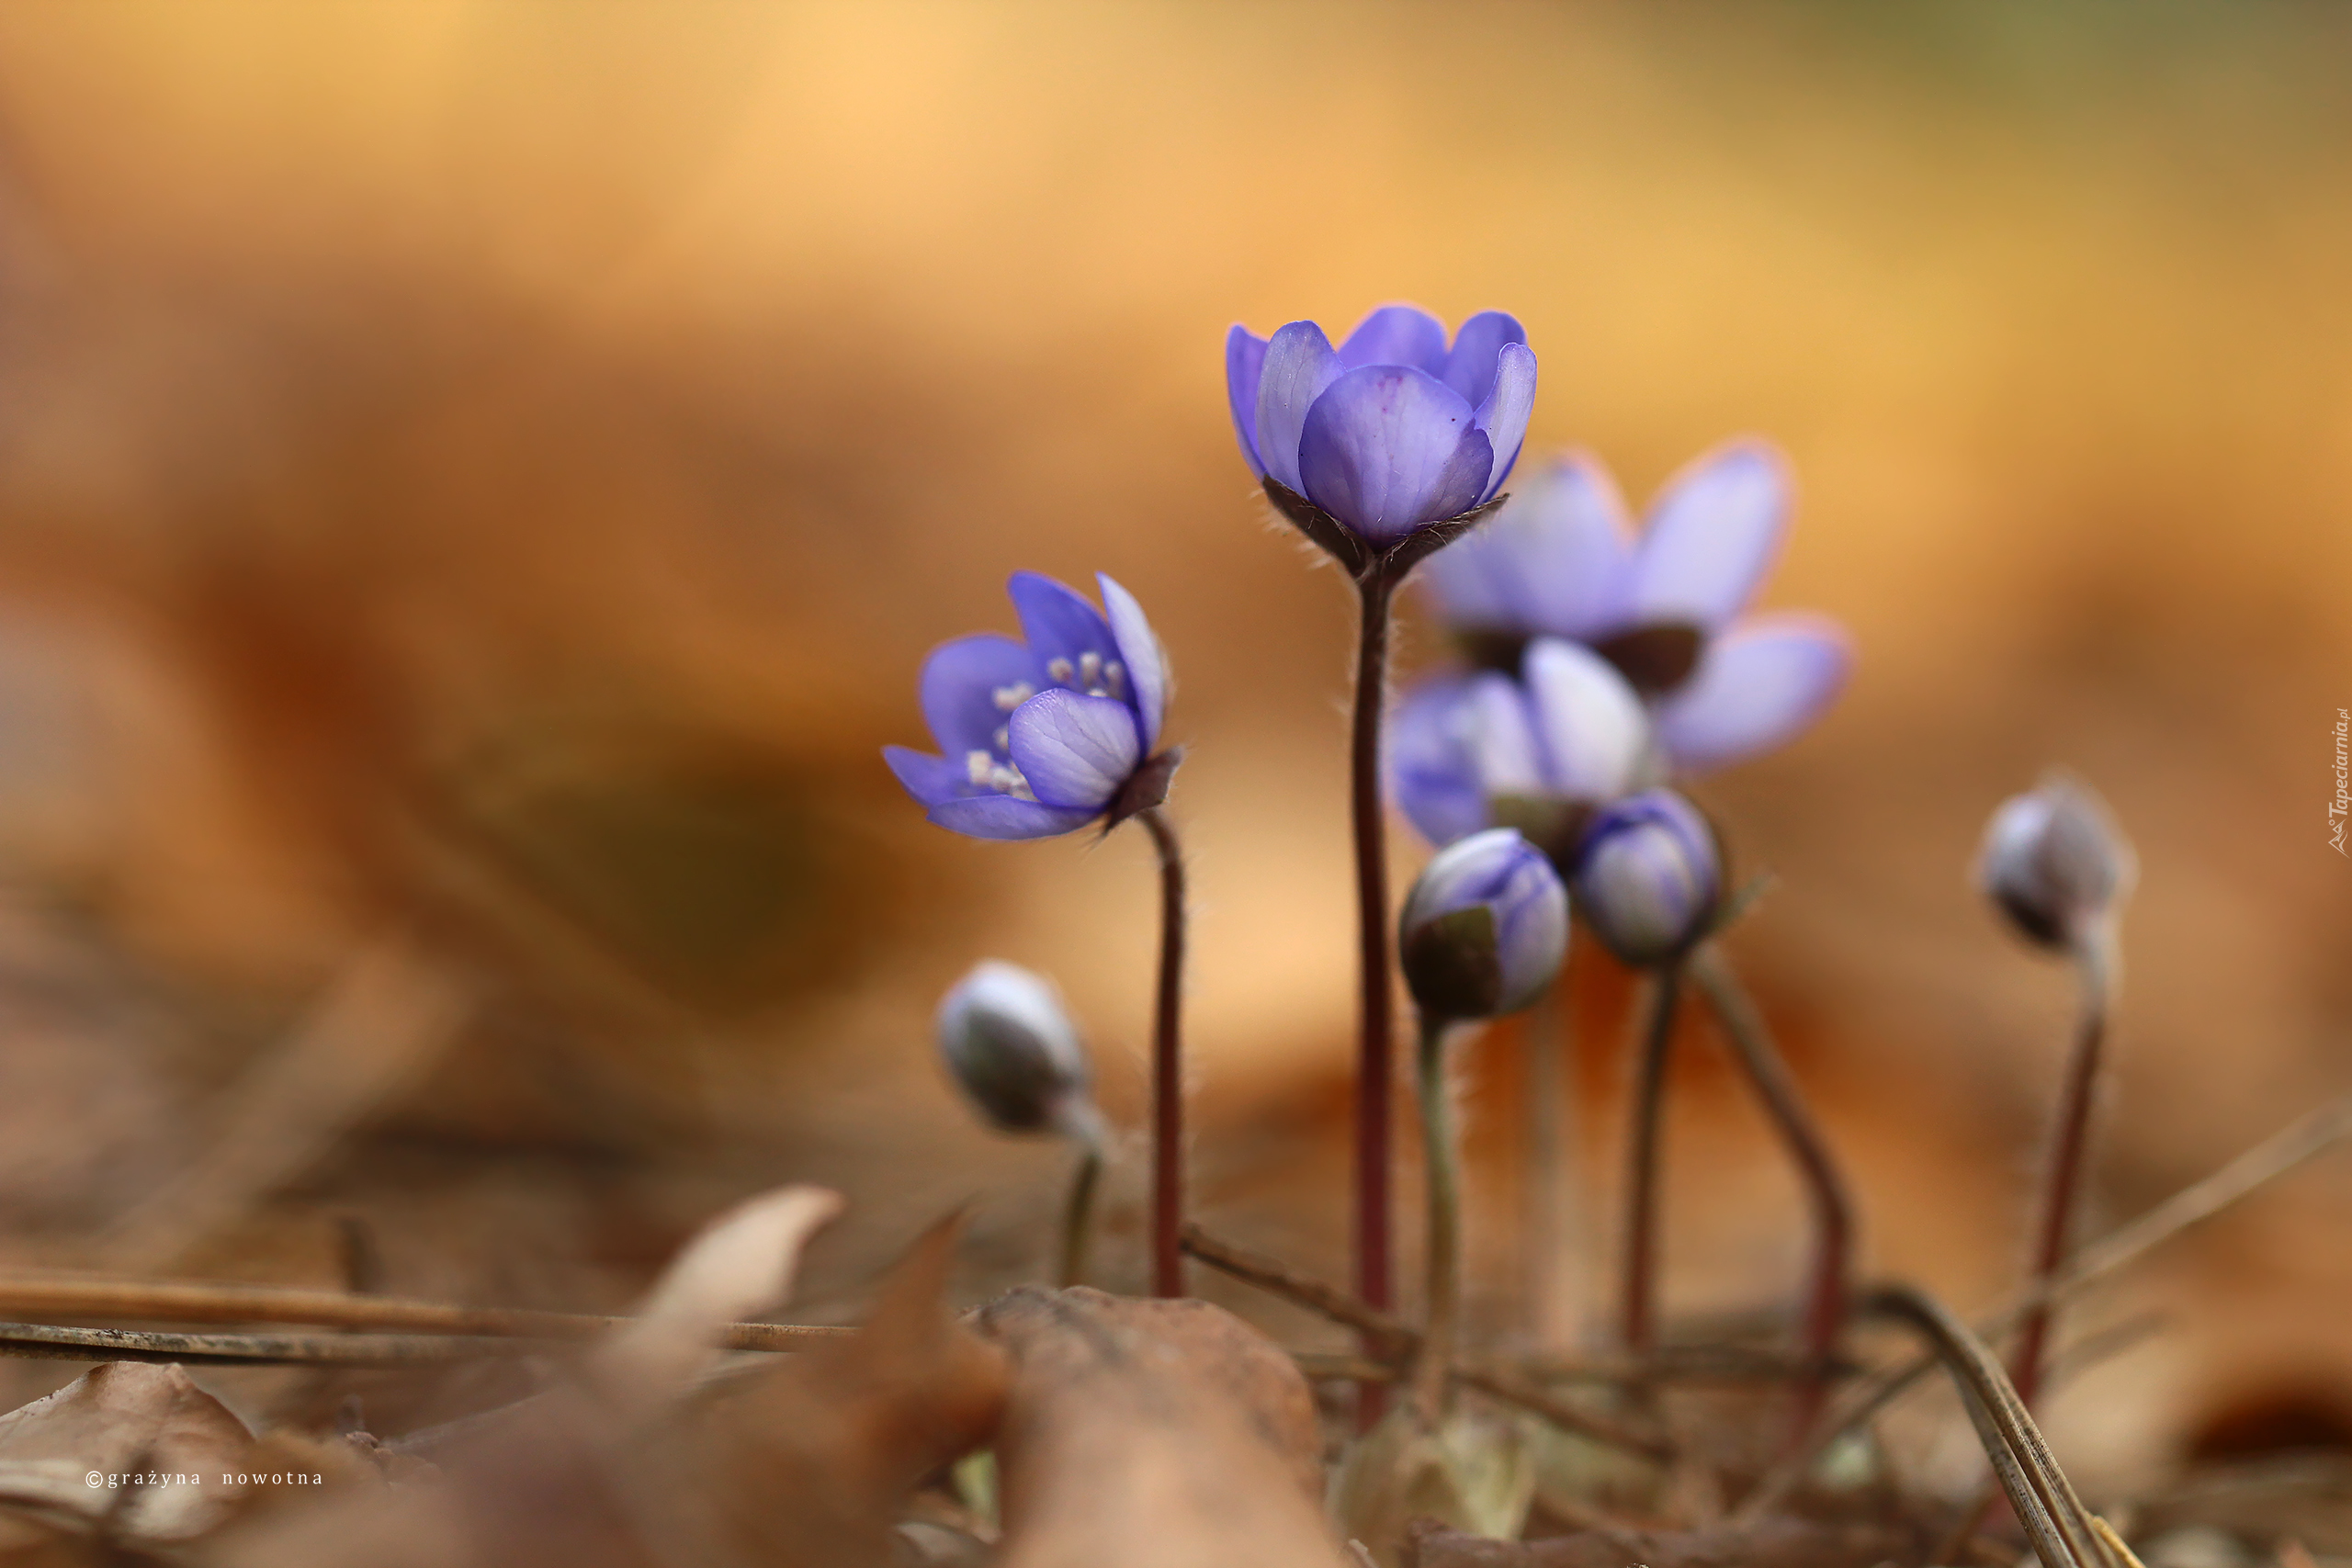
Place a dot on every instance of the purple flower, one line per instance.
(1667, 608)
(2055, 863)
(1649, 876)
(1043, 736)
(1484, 927)
(1391, 431)
(1538, 753)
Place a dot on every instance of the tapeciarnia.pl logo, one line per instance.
(2337, 809)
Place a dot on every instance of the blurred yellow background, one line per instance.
(478, 479)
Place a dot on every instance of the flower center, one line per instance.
(1093, 674)
(988, 771)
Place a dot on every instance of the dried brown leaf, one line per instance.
(1143, 1433)
(740, 1266)
(115, 1421)
(1769, 1543)
(584, 1474)
(810, 1465)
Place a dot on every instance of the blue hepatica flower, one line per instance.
(1649, 876)
(1043, 736)
(1667, 608)
(1504, 960)
(1394, 429)
(1538, 753)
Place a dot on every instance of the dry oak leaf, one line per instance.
(1153, 1434)
(116, 1421)
(811, 1464)
(580, 1476)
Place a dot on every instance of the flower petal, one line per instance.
(1470, 367)
(1499, 737)
(1554, 561)
(1712, 536)
(1139, 652)
(1074, 749)
(1298, 365)
(1589, 722)
(1432, 777)
(1756, 687)
(1063, 631)
(961, 685)
(928, 778)
(1245, 362)
(1387, 449)
(1397, 334)
(1007, 817)
(1503, 415)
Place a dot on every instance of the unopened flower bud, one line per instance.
(2055, 863)
(1485, 928)
(1649, 877)
(1015, 1053)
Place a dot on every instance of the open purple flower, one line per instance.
(1043, 735)
(1390, 431)
(1667, 608)
(1539, 753)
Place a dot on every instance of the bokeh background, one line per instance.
(478, 478)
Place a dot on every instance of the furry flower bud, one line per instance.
(2055, 863)
(1015, 1055)
(1649, 877)
(1485, 928)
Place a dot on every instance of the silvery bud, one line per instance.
(2055, 863)
(1649, 877)
(1014, 1052)
(1485, 928)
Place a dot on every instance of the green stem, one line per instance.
(1078, 1216)
(1444, 1229)
(1637, 1319)
(1825, 1183)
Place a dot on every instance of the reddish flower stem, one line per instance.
(1637, 1317)
(2069, 1149)
(1168, 1066)
(1831, 1199)
(1374, 1256)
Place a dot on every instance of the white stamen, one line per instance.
(1114, 675)
(1013, 696)
(977, 766)
(1004, 738)
(1090, 669)
(1059, 669)
(1007, 779)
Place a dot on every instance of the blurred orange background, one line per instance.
(478, 479)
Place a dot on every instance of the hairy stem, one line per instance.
(1372, 1087)
(1078, 1217)
(1443, 1243)
(2062, 1176)
(1825, 1183)
(1637, 1319)
(1168, 1066)
(1551, 1224)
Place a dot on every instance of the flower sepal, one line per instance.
(1453, 964)
(1359, 558)
(1145, 788)
(1554, 824)
(1657, 658)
